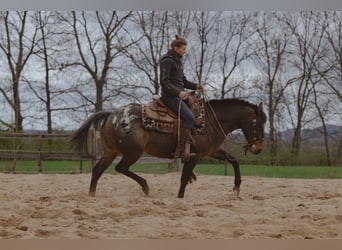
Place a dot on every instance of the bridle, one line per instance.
(250, 145)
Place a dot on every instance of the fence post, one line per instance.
(40, 147)
(14, 155)
(225, 168)
(178, 164)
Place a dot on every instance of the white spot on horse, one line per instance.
(115, 121)
(127, 118)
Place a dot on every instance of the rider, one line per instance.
(173, 82)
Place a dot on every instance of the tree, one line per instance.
(328, 97)
(235, 33)
(204, 42)
(271, 55)
(150, 45)
(99, 39)
(308, 50)
(44, 21)
(18, 44)
(332, 72)
(180, 23)
(322, 110)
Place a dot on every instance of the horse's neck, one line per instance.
(229, 118)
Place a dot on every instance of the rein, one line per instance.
(220, 129)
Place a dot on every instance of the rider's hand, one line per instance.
(183, 95)
(200, 88)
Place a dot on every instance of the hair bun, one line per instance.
(179, 41)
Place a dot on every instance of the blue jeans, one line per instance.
(185, 113)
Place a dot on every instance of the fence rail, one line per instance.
(41, 147)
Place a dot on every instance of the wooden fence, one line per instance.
(37, 146)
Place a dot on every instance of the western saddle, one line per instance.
(157, 116)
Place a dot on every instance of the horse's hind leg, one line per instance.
(98, 170)
(123, 167)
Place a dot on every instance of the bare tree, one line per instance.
(42, 20)
(204, 43)
(47, 101)
(332, 72)
(99, 41)
(145, 54)
(323, 110)
(307, 51)
(271, 55)
(180, 22)
(18, 44)
(235, 33)
(329, 95)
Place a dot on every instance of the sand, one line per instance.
(58, 207)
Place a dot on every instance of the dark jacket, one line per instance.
(172, 79)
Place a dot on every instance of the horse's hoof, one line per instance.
(237, 191)
(91, 194)
(146, 190)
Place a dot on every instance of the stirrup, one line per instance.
(182, 156)
(182, 153)
(190, 155)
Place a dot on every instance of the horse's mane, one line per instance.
(231, 101)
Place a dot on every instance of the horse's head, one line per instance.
(253, 129)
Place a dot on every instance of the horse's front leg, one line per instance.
(224, 156)
(237, 174)
(187, 174)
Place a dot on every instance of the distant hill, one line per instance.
(310, 137)
(314, 137)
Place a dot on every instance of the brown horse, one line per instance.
(121, 132)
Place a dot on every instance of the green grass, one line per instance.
(306, 172)
(27, 166)
(31, 166)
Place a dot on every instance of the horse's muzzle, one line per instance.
(254, 148)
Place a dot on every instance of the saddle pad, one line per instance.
(161, 123)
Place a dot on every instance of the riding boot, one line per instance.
(183, 145)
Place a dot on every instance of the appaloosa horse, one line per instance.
(121, 132)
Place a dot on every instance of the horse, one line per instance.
(121, 133)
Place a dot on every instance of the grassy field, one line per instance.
(73, 167)
(306, 172)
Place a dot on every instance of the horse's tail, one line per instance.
(78, 139)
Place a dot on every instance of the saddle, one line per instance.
(159, 117)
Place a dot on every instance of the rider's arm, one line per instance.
(188, 84)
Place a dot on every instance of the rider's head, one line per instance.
(179, 45)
